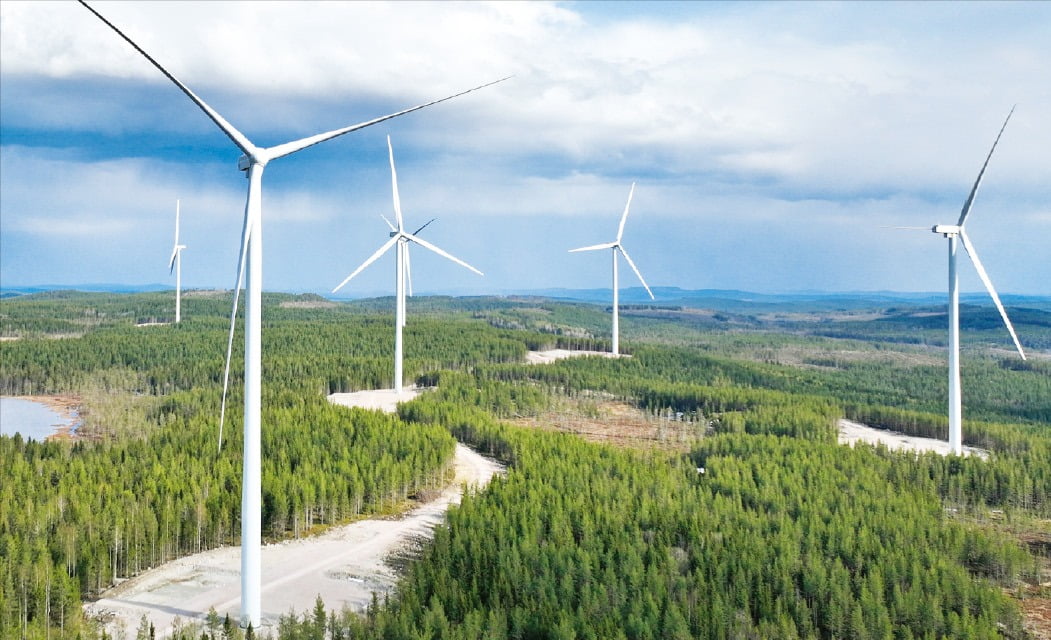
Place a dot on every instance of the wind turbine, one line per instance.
(176, 264)
(408, 262)
(953, 233)
(401, 238)
(616, 246)
(253, 162)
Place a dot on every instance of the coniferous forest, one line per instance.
(751, 522)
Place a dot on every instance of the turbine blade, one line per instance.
(989, 287)
(444, 254)
(394, 188)
(974, 190)
(408, 270)
(595, 247)
(624, 218)
(176, 223)
(392, 227)
(636, 270)
(416, 232)
(297, 145)
(379, 252)
(246, 234)
(238, 138)
(171, 261)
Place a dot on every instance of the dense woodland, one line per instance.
(785, 534)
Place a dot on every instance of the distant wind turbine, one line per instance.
(954, 232)
(176, 264)
(400, 237)
(405, 241)
(616, 246)
(253, 162)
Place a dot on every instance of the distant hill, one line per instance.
(733, 300)
(736, 300)
(10, 292)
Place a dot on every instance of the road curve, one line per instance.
(344, 566)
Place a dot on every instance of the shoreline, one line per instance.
(66, 405)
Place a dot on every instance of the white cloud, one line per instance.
(821, 119)
(766, 92)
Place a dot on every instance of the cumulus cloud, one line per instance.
(808, 119)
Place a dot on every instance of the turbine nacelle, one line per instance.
(947, 230)
(257, 157)
(176, 250)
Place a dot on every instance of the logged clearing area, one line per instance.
(1035, 599)
(602, 419)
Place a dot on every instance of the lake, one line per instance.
(33, 420)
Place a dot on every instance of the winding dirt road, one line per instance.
(344, 566)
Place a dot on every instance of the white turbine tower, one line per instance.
(176, 264)
(616, 246)
(954, 232)
(400, 237)
(253, 162)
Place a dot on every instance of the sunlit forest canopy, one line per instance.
(785, 534)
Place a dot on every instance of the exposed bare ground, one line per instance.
(345, 565)
(549, 356)
(599, 418)
(1013, 355)
(805, 356)
(308, 304)
(205, 293)
(1035, 599)
(380, 399)
(1036, 612)
(852, 433)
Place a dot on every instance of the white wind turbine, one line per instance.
(408, 262)
(175, 264)
(954, 232)
(616, 246)
(400, 237)
(253, 162)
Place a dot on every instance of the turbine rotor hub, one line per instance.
(245, 162)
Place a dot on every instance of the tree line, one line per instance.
(785, 534)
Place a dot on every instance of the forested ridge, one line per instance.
(149, 484)
(779, 537)
(785, 534)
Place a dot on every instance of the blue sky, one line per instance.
(771, 143)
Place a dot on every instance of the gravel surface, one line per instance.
(345, 565)
(853, 432)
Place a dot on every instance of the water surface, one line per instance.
(34, 420)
